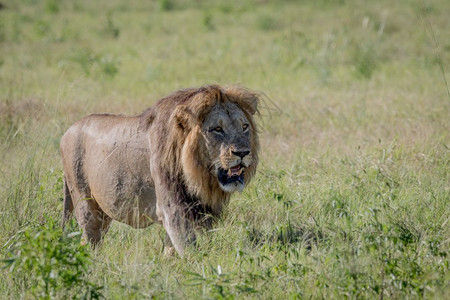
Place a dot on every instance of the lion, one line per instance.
(176, 164)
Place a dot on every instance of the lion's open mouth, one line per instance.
(233, 174)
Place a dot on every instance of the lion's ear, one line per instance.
(180, 118)
(246, 99)
(184, 117)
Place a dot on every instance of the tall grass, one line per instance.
(351, 199)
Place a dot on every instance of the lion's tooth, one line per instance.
(229, 172)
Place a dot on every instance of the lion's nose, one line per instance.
(241, 154)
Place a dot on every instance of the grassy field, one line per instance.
(352, 195)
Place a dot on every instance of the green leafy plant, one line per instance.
(56, 264)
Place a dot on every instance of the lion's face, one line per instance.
(227, 134)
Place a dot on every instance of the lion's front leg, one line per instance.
(169, 250)
(178, 227)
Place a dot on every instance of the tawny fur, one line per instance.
(159, 166)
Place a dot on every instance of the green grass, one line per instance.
(352, 195)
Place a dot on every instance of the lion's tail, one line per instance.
(68, 204)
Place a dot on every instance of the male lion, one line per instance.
(177, 163)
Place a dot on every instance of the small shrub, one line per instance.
(166, 5)
(56, 264)
(52, 6)
(207, 20)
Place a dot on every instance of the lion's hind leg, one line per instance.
(68, 204)
(93, 221)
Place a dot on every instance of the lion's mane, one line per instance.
(176, 122)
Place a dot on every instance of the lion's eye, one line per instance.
(244, 127)
(217, 129)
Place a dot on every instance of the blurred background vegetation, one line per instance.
(352, 194)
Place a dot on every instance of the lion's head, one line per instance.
(210, 141)
(227, 138)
